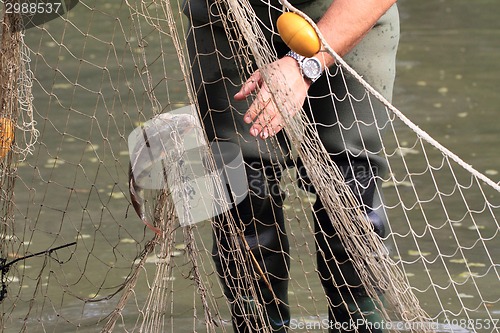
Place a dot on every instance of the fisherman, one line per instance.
(365, 33)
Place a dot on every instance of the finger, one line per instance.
(262, 121)
(266, 117)
(250, 85)
(263, 103)
(260, 113)
(273, 127)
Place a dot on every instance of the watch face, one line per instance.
(311, 67)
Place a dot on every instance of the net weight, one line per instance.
(32, 8)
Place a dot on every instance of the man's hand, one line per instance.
(285, 77)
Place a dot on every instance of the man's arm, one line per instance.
(346, 22)
(343, 25)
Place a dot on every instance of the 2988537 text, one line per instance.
(33, 7)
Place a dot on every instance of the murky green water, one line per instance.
(447, 83)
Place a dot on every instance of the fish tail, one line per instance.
(150, 226)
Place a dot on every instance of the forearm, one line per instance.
(346, 22)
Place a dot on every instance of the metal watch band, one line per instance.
(300, 59)
(295, 56)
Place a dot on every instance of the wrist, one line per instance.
(325, 59)
(296, 70)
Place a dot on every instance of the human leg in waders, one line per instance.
(350, 133)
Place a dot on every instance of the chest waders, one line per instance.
(343, 130)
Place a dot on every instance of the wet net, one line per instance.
(118, 210)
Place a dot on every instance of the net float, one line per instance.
(298, 34)
(6, 135)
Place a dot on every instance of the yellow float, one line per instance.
(6, 135)
(298, 34)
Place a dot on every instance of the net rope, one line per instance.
(75, 256)
(365, 248)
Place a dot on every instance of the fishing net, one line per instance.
(91, 94)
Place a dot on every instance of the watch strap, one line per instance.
(300, 59)
(295, 56)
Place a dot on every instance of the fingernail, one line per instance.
(254, 132)
(247, 119)
(264, 134)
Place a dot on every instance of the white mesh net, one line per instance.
(76, 257)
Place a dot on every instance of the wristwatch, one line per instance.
(310, 67)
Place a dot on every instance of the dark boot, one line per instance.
(260, 217)
(354, 313)
(350, 309)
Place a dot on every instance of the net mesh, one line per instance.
(76, 257)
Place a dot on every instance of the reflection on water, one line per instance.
(447, 84)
